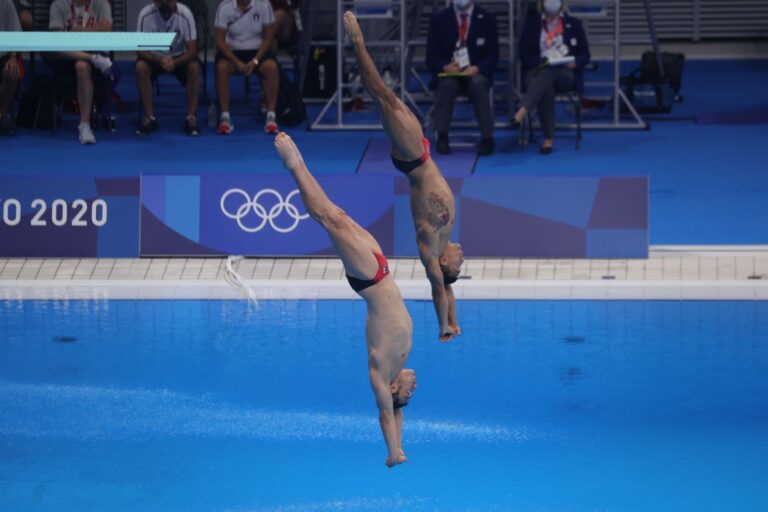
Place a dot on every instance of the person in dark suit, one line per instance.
(462, 53)
(553, 51)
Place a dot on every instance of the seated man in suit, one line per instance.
(462, 53)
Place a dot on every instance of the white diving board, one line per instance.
(85, 41)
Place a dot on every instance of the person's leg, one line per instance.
(144, 84)
(445, 98)
(193, 87)
(8, 86)
(224, 70)
(26, 20)
(283, 28)
(353, 244)
(270, 81)
(564, 80)
(402, 127)
(84, 90)
(479, 87)
(546, 108)
(537, 83)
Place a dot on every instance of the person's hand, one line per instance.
(472, 70)
(394, 461)
(11, 68)
(446, 334)
(249, 68)
(241, 67)
(168, 64)
(451, 67)
(572, 65)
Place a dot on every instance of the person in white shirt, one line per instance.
(244, 31)
(82, 16)
(181, 61)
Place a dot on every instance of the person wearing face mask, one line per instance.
(181, 61)
(553, 51)
(92, 71)
(462, 53)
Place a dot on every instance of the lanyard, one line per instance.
(75, 20)
(552, 34)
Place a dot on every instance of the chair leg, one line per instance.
(578, 123)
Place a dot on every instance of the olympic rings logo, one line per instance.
(266, 216)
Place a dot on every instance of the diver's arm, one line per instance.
(439, 295)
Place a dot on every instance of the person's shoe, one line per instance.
(86, 134)
(102, 63)
(545, 150)
(190, 126)
(485, 147)
(443, 146)
(225, 126)
(271, 125)
(147, 126)
(7, 126)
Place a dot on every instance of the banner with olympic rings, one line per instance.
(496, 216)
(254, 214)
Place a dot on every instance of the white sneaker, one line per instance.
(86, 134)
(101, 63)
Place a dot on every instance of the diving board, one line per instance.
(85, 41)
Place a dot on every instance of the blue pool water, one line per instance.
(539, 406)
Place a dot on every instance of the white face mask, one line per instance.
(462, 5)
(552, 7)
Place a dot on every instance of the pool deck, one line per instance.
(670, 273)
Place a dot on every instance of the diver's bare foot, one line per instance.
(390, 462)
(288, 151)
(352, 27)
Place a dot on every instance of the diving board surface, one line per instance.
(85, 41)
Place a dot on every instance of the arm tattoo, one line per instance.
(438, 213)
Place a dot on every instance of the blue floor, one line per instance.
(539, 406)
(709, 183)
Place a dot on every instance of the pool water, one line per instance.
(538, 406)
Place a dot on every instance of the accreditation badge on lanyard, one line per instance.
(461, 54)
(461, 57)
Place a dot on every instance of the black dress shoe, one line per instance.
(545, 150)
(485, 147)
(442, 146)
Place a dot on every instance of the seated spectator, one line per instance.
(244, 30)
(287, 22)
(181, 61)
(24, 8)
(9, 68)
(553, 52)
(83, 16)
(462, 53)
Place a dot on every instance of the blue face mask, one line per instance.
(552, 7)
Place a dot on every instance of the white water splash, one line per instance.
(85, 412)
